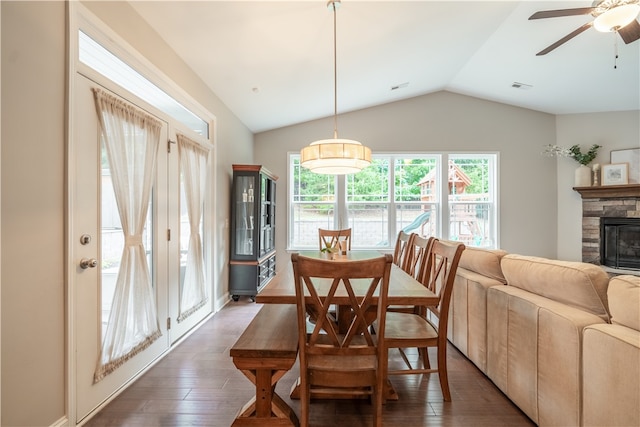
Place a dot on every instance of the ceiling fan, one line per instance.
(609, 16)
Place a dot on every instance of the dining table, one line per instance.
(404, 289)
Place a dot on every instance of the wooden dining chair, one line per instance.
(332, 238)
(341, 360)
(416, 264)
(417, 257)
(428, 327)
(401, 249)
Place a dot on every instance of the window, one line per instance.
(312, 203)
(398, 192)
(94, 55)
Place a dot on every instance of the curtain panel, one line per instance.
(131, 139)
(193, 172)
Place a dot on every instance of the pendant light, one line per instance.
(335, 156)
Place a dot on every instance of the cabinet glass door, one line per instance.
(244, 220)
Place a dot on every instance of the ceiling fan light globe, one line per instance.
(616, 18)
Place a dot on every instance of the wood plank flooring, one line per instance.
(197, 385)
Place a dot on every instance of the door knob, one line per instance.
(88, 263)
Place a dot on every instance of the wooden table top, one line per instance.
(403, 289)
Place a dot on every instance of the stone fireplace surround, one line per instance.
(615, 201)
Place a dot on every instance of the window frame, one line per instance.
(442, 204)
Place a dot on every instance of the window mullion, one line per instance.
(341, 217)
(392, 231)
(443, 196)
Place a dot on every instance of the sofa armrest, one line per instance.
(534, 353)
(610, 372)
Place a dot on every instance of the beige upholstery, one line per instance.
(479, 269)
(561, 340)
(534, 334)
(611, 360)
(577, 284)
(484, 261)
(624, 301)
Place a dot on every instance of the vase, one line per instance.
(583, 176)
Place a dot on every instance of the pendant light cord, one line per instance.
(335, 73)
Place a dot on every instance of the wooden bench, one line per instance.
(265, 351)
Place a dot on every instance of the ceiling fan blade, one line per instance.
(565, 39)
(561, 12)
(630, 32)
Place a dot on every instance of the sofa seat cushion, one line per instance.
(483, 261)
(624, 301)
(577, 284)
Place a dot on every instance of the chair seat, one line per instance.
(343, 363)
(401, 308)
(408, 326)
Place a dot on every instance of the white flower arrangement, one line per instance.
(574, 152)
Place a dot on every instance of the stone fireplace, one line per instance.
(620, 242)
(617, 201)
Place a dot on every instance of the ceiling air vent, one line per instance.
(521, 86)
(400, 86)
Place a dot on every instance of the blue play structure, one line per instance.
(418, 222)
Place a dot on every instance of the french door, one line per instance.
(186, 309)
(96, 249)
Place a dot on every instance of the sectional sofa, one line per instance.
(560, 339)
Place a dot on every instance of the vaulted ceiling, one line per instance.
(271, 62)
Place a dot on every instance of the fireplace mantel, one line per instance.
(609, 191)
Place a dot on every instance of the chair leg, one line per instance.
(383, 369)
(424, 355)
(405, 358)
(305, 398)
(378, 393)
(442, 371)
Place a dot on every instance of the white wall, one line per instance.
(33, 291)
(33, 199)
(614, 131)
(445, 121)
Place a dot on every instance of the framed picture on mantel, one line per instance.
(632, 157)
(617, 174)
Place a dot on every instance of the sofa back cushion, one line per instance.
(483, 261)
(576, 284)
(624, 301)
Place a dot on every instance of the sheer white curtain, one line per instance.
(131, 139)
(193, 171)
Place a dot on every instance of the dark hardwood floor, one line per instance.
(197, 385)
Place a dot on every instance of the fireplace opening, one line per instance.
(620, 242)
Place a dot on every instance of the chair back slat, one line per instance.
(311, 274)
(332, 238)
(401, 250)
(443, 259)
(418, 258)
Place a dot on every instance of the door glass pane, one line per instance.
(112, 240)
(185, 232)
